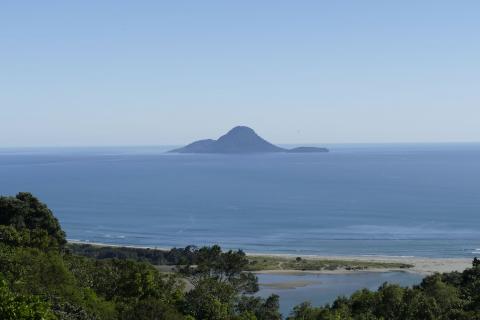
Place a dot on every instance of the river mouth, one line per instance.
(320, 289)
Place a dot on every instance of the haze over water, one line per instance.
(413, 200)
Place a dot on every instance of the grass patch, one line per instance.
(259, 263)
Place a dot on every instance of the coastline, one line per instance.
(421, 265)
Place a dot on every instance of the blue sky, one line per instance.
(168, 72)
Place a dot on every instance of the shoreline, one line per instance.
(421, 265)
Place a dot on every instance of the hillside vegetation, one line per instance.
(187, 255)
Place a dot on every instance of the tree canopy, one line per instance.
(24, 212)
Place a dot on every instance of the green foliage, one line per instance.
(210, 299)
(35, 238)
(175, 256)
(227, 267)
(126, 279)
(220, 283)
(24, 211)
(261, 309)
(45, 274)
(151, 309)
(22, 307)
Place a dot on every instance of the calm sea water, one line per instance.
(401, 200)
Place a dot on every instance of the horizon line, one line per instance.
(279, 144)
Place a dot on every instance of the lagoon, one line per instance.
(319, 289)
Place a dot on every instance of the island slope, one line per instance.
(241, 140)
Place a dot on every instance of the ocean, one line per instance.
(396, 200)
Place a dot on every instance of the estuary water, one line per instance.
(398, 200)
(320, 289)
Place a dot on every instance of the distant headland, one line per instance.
(241, 139)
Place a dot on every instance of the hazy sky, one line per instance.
(167, 72)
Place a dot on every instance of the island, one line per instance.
(241, 140)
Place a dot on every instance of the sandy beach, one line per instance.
(421, 265)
